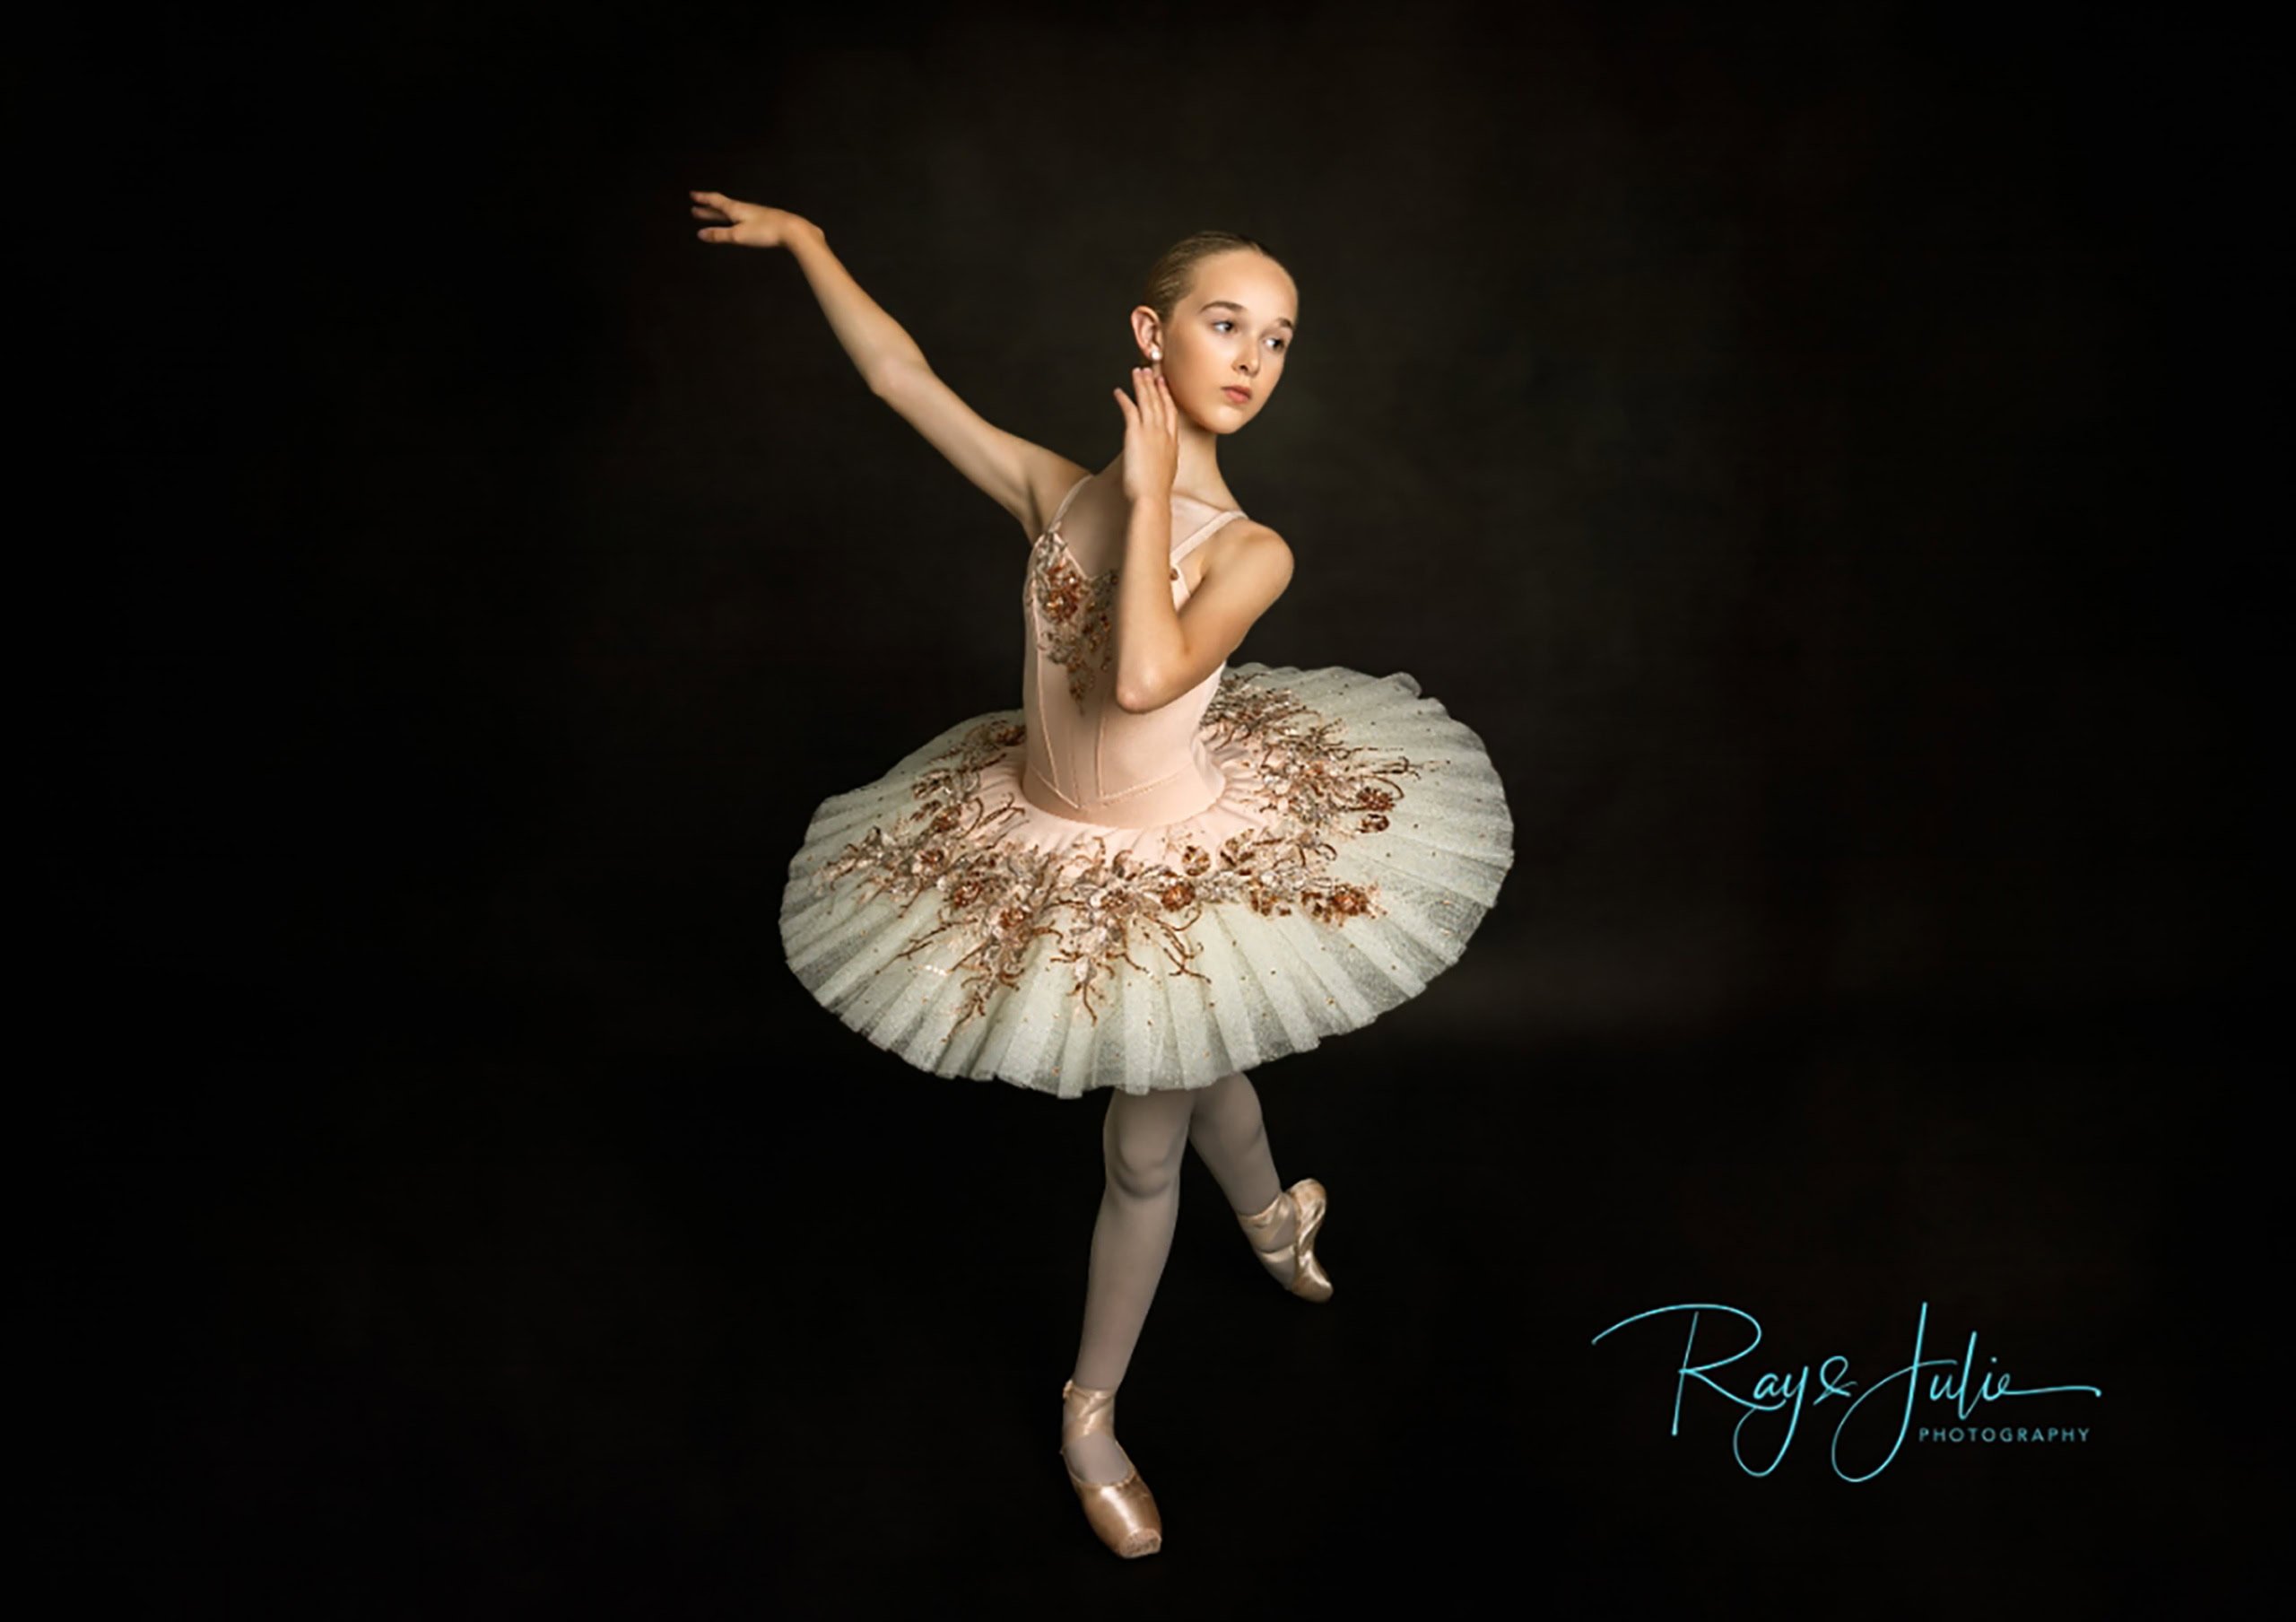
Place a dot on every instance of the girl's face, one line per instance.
(1225, 344)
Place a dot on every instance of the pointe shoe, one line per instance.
(1307, 1202)
(1122, 1512)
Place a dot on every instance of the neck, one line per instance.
(1199, 467)
(1198, 474)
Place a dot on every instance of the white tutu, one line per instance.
(1361, 836)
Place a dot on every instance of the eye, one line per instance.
(1223, 324)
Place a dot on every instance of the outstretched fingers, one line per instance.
(705, 208)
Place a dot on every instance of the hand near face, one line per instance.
(1151, 436)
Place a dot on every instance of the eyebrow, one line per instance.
(1231, 304)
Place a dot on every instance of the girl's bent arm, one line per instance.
(1162, 652)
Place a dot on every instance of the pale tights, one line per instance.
(1142, 1140)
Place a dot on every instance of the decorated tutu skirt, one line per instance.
(1361, 836)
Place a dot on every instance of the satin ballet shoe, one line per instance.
(1307, 1200)
(1122, 1513)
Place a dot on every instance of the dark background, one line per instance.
(1818, 448)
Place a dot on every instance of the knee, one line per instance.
(1136, 1181)
(1143, 1162)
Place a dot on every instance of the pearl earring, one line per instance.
(1155, 353)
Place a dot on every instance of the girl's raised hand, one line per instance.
(753, 224)
(1151, 436)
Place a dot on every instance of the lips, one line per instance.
(1237, 395)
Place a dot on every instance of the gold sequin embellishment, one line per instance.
(998, 895)
(1074, 614)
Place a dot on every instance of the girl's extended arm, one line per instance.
(1024, 479)
(1161, 651)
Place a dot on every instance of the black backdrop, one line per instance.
(1815, 448)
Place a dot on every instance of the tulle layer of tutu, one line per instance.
(1360, 837)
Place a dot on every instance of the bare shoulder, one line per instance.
(1248, 548)
(1048, 477)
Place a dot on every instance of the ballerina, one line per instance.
(1159, 872)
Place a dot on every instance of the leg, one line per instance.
(1143, 1142)
(1229, 1133)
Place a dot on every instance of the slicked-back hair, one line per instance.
(1173, 274)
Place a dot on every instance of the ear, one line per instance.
(1147, 331)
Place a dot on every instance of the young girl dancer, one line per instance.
(1159, 871)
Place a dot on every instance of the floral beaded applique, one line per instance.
(1074, 614)
(999, 895)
